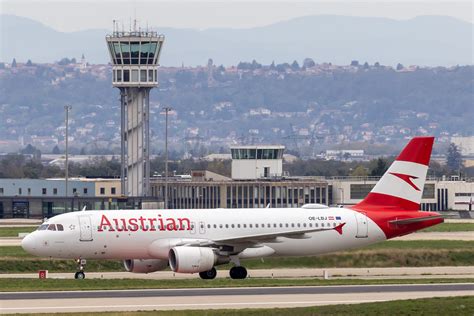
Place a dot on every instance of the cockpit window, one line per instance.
(43, 227)
(60, 227)
(52, 227)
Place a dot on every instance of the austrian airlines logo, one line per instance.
(407, 178)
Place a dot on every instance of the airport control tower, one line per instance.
(135, 56)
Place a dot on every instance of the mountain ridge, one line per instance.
(423, 40)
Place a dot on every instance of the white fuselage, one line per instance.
(149, 234)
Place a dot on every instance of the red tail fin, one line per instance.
(402, 185)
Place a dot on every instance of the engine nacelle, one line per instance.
(184, 259)
(145, 265)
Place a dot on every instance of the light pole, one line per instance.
(167, 109)
(67, 108)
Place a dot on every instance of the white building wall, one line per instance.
(255, 168)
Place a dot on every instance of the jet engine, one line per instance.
(144, 265)
(184, 259)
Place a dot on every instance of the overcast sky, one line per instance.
(68, 15)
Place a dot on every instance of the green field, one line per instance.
(457, 306)
(22, 284)
(7, 231)
(450, 227)
(386, 254)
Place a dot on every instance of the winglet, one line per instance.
(338, 228)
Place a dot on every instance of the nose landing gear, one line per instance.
(80, 267)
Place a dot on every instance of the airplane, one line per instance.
(198, 240)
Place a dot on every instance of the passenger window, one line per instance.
(298, 225)
(245, 225)
(334, 224)
(310, 224)
(220, 226)
(226, 225)
(292, 224)
(322, 224)
(238, 225)
(286, 225)
(250, 225)
(52, 227)
(256, 225)
(60, 227)
(281, 225)
(215, 226)
(274, 225)
(304, 224)
(208, 226)
(316, 225)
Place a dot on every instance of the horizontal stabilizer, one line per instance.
(414, 220)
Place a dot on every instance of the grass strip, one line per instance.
(361, 259)
(450, 227)
(24, 285)
(14, 231)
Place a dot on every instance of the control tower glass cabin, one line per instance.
(135, 60)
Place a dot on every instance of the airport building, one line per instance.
(438, 194)
(39, 198)
(257, 181)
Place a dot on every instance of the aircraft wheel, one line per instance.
(79, 275)
(238, 273)
(208, 275)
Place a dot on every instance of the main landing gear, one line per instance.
(80, 267)
(238, 272)
(208, 275)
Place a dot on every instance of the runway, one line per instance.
(129, 300)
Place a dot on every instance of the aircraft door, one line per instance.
(202, 228)
(362, 225)
(85, 228)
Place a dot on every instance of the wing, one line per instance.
(251, 240)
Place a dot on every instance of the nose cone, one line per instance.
(29, 244)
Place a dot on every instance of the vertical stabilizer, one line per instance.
(402, 184)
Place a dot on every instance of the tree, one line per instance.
(355, 63)
(360, 171)
(29, 63)
(295, 66)
(453, 158)
(377, 64)
(56, 150)
(366, 65)
(14, 63)
(31, 150)
(380, 168)
(308, 63)
(399, 66)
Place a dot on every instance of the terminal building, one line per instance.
(257, 181)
